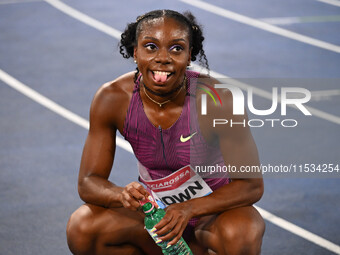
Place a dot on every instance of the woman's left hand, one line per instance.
(174, 222)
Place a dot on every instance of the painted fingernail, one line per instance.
(168, 246)
(153, 230)
(159, 241)
(154, 235)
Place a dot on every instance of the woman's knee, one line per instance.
(92, 228)
(241, 232)
(80, 236)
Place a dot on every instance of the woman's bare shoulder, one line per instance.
(112, 99)
(123, 85)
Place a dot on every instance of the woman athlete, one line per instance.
(150, 108)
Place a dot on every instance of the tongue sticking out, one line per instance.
(160, 77)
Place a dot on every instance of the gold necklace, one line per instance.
(167, 101)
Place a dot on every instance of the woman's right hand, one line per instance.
(132, 194)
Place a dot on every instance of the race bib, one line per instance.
(180, 186)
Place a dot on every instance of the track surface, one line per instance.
(67, 60)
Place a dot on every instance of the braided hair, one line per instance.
(129, 36)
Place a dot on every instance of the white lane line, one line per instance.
(49, 104)
(281, 21)
(299, 231)
(331, 92)
(332, 2)
(262, 25)
(305, 19)
(279, 221)
(320, 94)
(85, 18)
(323, 97)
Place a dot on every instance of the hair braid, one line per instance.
(197, 40)
(128, 40)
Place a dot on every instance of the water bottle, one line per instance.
(152, 216)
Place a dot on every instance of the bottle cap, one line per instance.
(147, 207)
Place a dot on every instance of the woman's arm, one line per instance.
(238, 149)
(106, 114)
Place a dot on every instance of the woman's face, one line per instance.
(162, 53)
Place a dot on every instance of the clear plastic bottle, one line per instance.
(152, 216)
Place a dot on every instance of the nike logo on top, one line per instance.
(183, 140)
